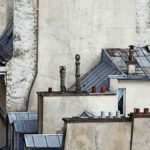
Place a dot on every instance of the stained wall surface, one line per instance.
(105, 136)
(21, 70)
(58, 107)
(69, 27)
(141, 134)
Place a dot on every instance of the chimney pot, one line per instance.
(77, 75)
(137, 110)
(103, 89)
(50, 90)
(146, 110)
(94, 89)
(62, 78)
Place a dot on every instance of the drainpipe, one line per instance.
(62, 78)
(37, 45)
(77, 75)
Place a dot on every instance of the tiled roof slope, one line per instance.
(6, 44)
(50, 141)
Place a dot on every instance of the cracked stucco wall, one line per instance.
(21, 69)
(143, 22)
(66, 28)
(69, 27)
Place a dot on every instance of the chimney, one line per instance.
(62, 78)
(131, 62)
(77, 75)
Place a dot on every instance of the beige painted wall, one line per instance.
(56, 108)
(69, 27)
(98, 136)
(141, 134)
(137, 94)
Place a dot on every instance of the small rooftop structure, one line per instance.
(14, 116)
(20, 123)
(43, 141)
(115, 62)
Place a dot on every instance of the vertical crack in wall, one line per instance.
(143, 21)
(21, 70)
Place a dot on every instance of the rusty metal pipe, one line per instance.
(62, 78)
(77, 75)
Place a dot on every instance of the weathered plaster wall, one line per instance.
(141, 134)
(105, 136)
(143, 21)
(3, 15)
(22, 68)
(56, 108)
(69, 27)
(137, 95)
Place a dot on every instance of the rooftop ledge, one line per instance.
(87, 120)
(45, 94)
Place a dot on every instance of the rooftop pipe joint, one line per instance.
(62, 78)
(77, 75)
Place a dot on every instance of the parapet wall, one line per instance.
(55, 106)
(107, 134)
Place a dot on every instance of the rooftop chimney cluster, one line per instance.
(77, 76)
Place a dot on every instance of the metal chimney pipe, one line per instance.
(77, 75)
(62, 78)
(131, 52)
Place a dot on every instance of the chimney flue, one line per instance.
(62, 78)
(78, 88)
(131, 52)
(131, 62)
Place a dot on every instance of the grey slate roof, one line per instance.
(142, 59)
(97, 76)
(25, 126)
(14, 116)
(6, 44)
(43, 140)
(114, 62)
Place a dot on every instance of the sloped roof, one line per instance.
(14, 116)
(114, 62)
(142, 62)
(6, 44)
(98, 75)
(25, 126)
(43, 140)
